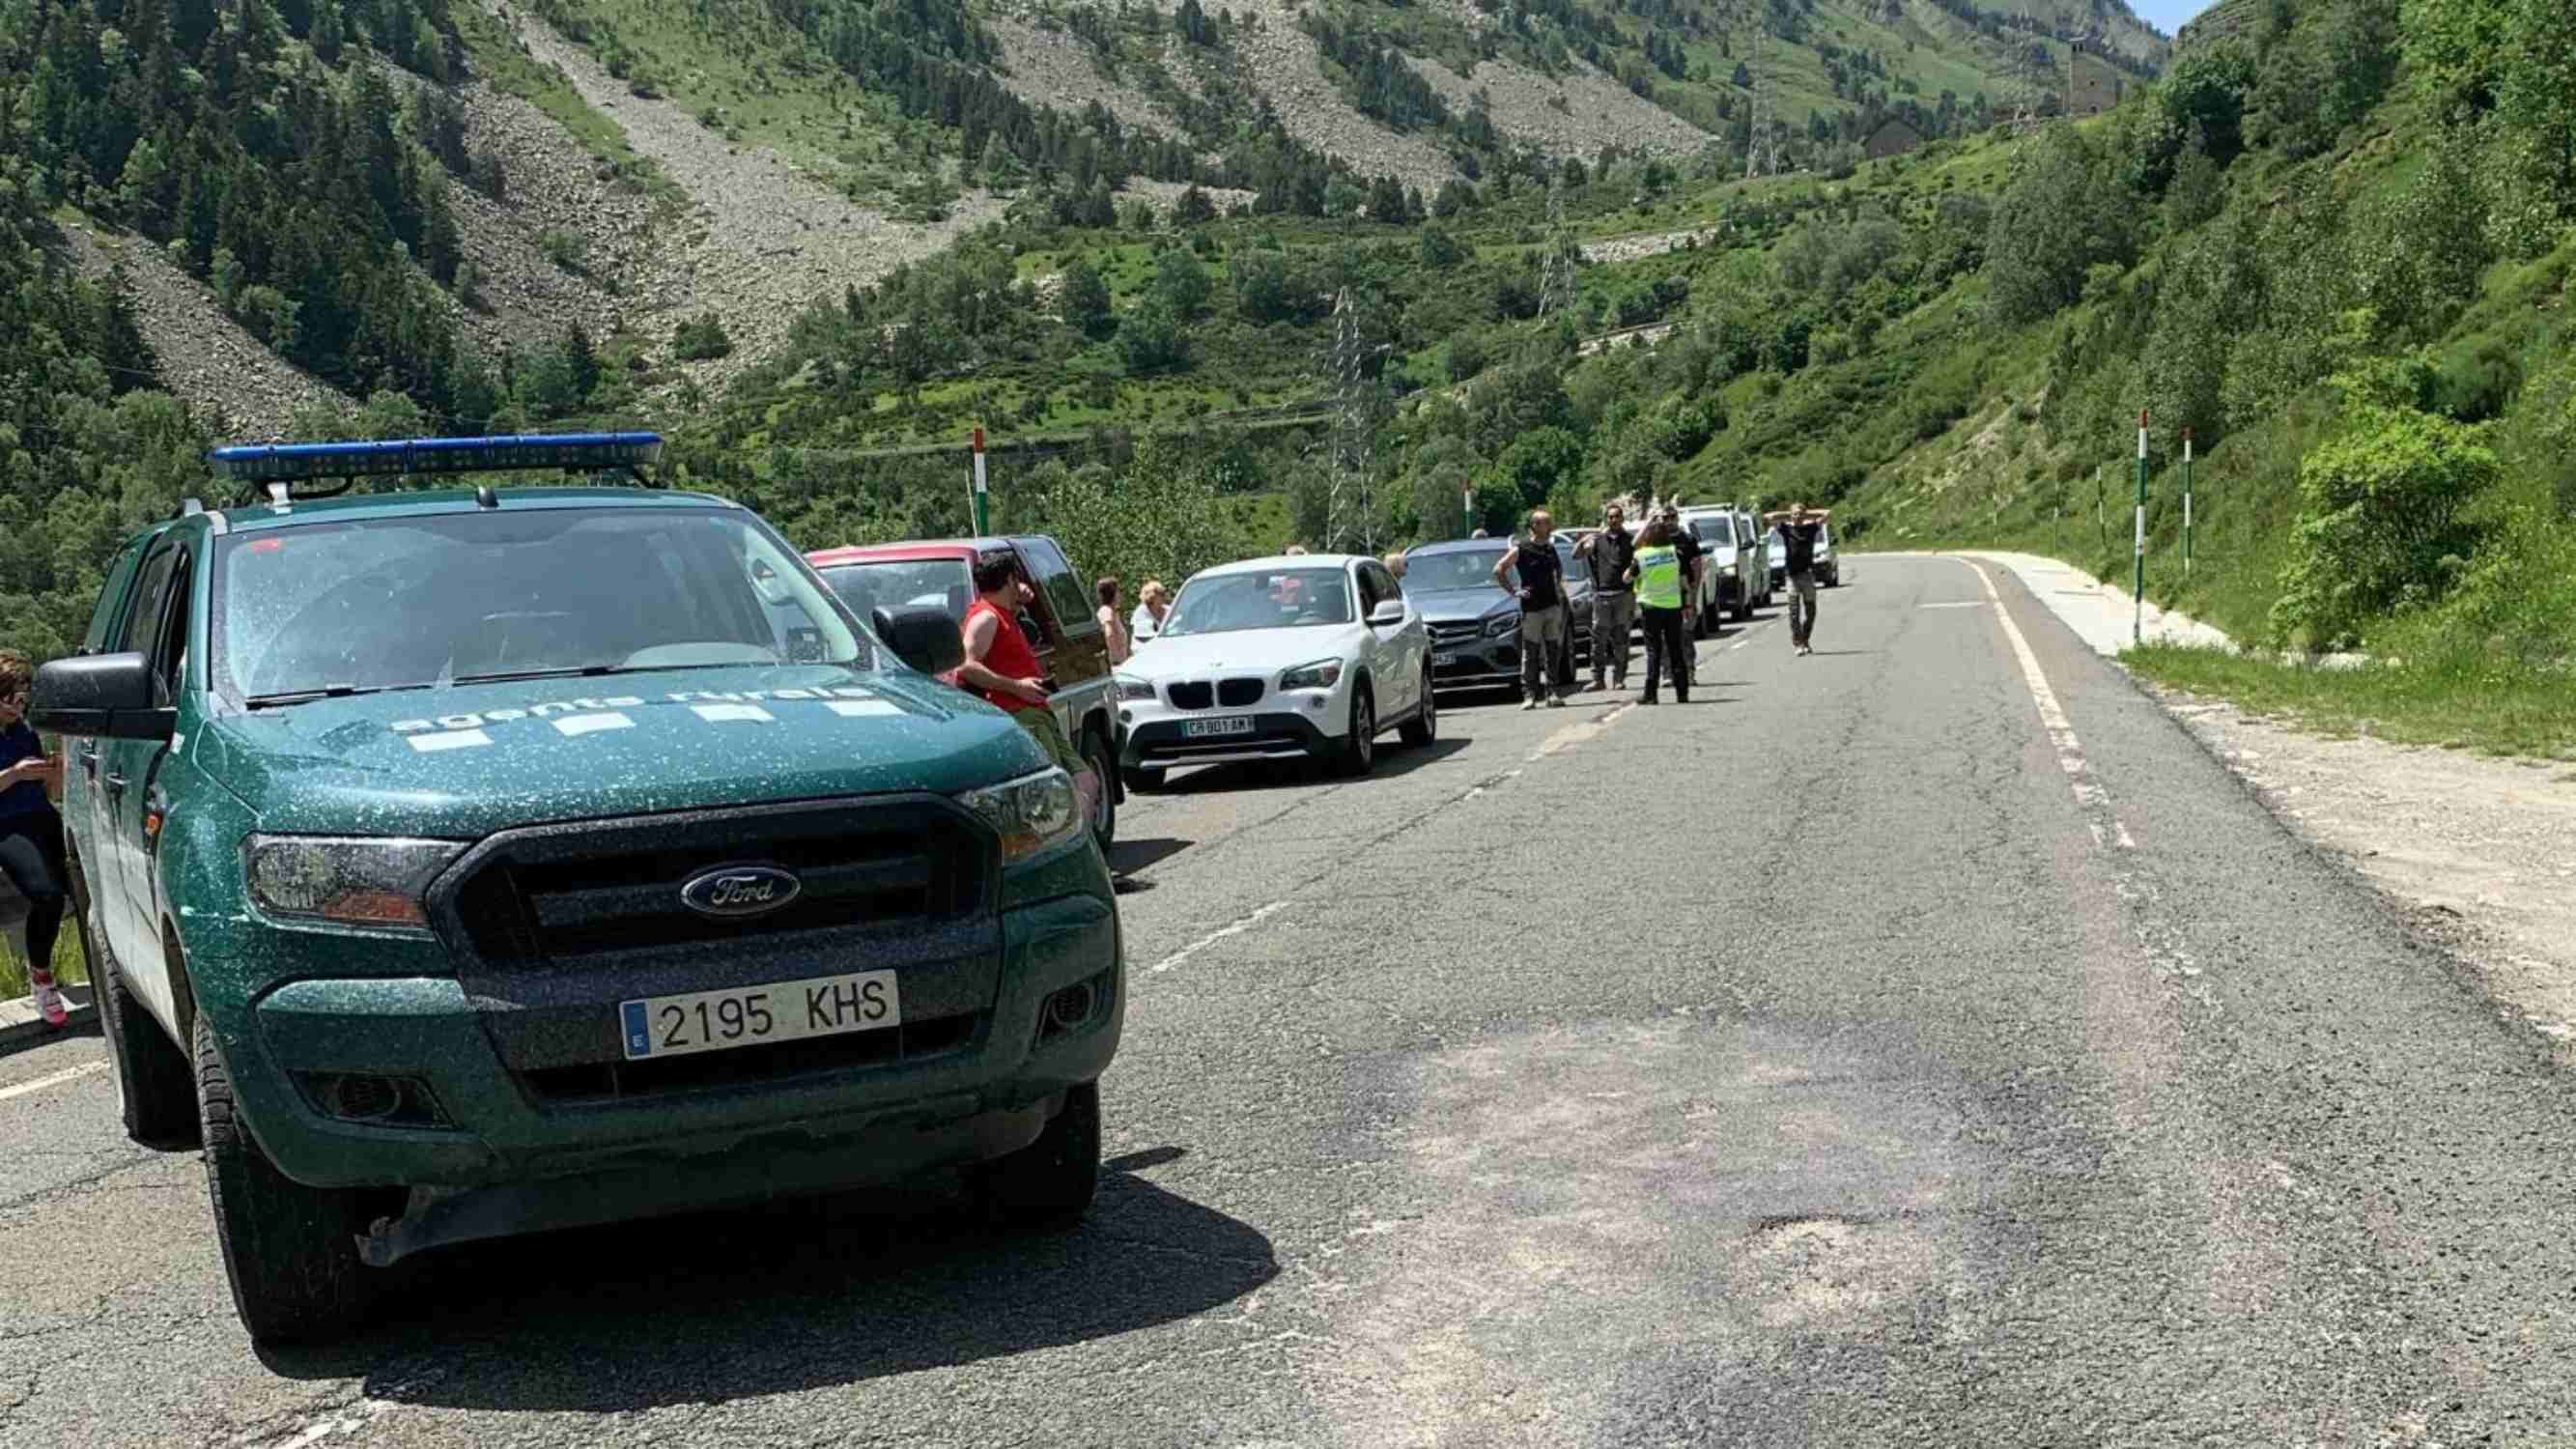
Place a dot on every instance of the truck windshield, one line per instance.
(405, 602)
(1272, 599)
(940, 583)
(1464, 569)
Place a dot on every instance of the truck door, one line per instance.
(1079, 664)
(157, 629)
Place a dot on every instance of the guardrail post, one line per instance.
(2186, 503)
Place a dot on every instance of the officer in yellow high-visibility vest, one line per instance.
(1657, 574)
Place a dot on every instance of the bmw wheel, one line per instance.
(1359, 752)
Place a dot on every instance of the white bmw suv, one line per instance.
(1302, 656)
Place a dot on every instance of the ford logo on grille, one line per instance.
(740, 890)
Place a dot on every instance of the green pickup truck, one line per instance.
(475, 862)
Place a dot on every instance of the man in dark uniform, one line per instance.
(1533, 570)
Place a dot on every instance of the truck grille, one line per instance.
(551, 926)
(559, 906)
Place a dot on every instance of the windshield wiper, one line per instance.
(584, 671)
(307, 696)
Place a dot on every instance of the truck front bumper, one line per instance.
(502, 1155)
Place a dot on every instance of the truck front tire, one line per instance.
(290, 1251)
(1051, 1181)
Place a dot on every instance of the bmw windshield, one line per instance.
(411, 602)
(1288, 598)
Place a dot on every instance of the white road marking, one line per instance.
(2052, 717)
(1575, 734)
(430, 744)
(573, 725)
(1212, 937)
(1956, 604)
(733, 713)
(68, 1074)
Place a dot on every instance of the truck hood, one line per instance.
(1238, 651)
(1451, 606)
(463, 761)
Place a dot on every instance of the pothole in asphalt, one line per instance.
(1583, 1199)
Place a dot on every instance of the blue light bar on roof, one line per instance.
(289, 462)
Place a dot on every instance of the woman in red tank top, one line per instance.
(1008, 656)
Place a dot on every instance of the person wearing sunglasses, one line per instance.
(31, 831)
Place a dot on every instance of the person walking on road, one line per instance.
(1607, 554)
(1532, 569)
(1656, 574)
(1116, 632)
(31, 832)
(1799, 526)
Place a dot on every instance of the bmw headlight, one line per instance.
(1029, 813)
(1322, 674)
(1727, 569)
(1132, 690)
(357, 881)
(1502, 626)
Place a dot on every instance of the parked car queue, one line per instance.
(1295, 656)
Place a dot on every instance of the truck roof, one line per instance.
(906, 552)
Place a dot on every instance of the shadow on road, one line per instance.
(1394, 761)
(785, 1298)
(1126, 857)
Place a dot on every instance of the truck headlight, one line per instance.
(1030, 813)
(347, 881)
(1503, 626)
(1132, 690)
(1322, 674)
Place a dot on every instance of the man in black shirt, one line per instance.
(1614, 604)
(1799, 527)
(1532, 570)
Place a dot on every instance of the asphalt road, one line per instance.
(1877, 1050)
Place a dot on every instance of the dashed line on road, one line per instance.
(68, 1074)
(1212, 937)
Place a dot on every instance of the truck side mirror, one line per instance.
(925, 638)
(100, 694)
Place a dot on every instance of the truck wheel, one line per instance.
(1104, 822)
(1424, 727)
(291, 1251)
(1359, 752)
(1050, 1181)
(153, 1083)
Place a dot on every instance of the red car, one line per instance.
(1062, 626)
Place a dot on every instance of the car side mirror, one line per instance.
(100, 694)
(1388, 613)
(925, 638)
